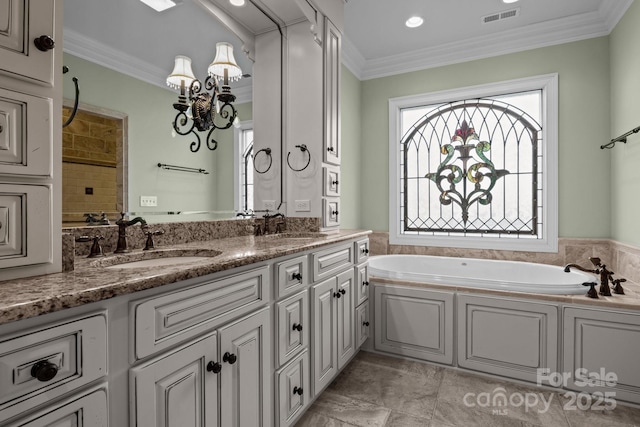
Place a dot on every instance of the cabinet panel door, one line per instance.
(330, 212)
(293, 326)
(292, 275)
(601, 342)
(21, 22)
(332, 66)
(507, 337)
(329, 262)
(331, 181)
(401, 314)
(25, 225)
(293, 389)
(26, 136)
(176, 390)
(362, 323)
(345, 329)
(324, 362)
(245, 390)
(86, 410)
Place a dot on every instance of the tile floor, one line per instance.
(376, 390)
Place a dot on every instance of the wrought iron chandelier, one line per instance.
(209, 105)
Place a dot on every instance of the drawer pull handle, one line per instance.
(44, 371)
(44, 43)
(229, 358)
(296, 276)
(337, 295)
(297, 390)
(365, 323)
(342, 291)
(297, 327)
(365, 283)
(214, 367)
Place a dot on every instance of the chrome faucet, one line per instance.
(122, 231)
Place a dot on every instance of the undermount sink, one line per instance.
(157, 258)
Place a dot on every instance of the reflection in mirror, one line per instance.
(122, 53)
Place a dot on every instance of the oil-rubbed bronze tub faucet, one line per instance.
(567, 268)
(122, 232)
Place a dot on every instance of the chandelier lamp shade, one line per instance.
(205, 107)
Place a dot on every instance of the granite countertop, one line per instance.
(92, 281)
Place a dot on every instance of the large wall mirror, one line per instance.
(121, 52)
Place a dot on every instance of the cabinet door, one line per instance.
(345, 331)
(599, 344)
(361, 284)
(21, 22)
(86, 410)
(177, 389)
(25, 225)
(332, 64)
(507, 337)
(414, 322)
(324, 338)
(245, 390)
(362, 324)
(293, 390)
(26, 136)
(293, 326)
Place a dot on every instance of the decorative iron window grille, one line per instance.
(473, 167)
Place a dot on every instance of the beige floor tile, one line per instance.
(621, 416)
(351, 411)
(397, 419)
(459, 415)
(313, 419)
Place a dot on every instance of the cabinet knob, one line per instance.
(365, 283)
(334, 213)
(330, 149)
(44, 370)
(365, 323)
(337, 295)
(335, 182)
(296, 276)
(342, 291)
(365, 251)
(297, 390)
(229, 358)
(44, 43)
(297, 327)
(214, 367)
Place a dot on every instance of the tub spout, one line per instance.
(567, 268)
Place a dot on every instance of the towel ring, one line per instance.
(302, 148)
(267, 152)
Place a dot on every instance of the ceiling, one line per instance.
(133, 38)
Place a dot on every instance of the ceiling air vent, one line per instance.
(495, 17)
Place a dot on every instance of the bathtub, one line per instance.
(478, 273)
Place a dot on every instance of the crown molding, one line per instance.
(101, 54)
(554, 32)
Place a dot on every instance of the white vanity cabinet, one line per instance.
(414, 322)
(599, 351)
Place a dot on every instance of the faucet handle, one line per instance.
(149, 244)
(597, 262)
(591, 293)
(257, 230)
(617, 287)
(96, 250)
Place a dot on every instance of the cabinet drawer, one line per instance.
(362, 251)
(89, 409)
(78, 349)
(25, 134)
(27, 21)
(293, 326)
(331, 212)
(362, 324)
(292, 275)
(329, 262)
(331, 181)
(172, 318)
(25, 225)
(362, 284)
(294, 390)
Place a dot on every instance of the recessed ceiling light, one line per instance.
(414, 22)
(160, 5)
(237, 3)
